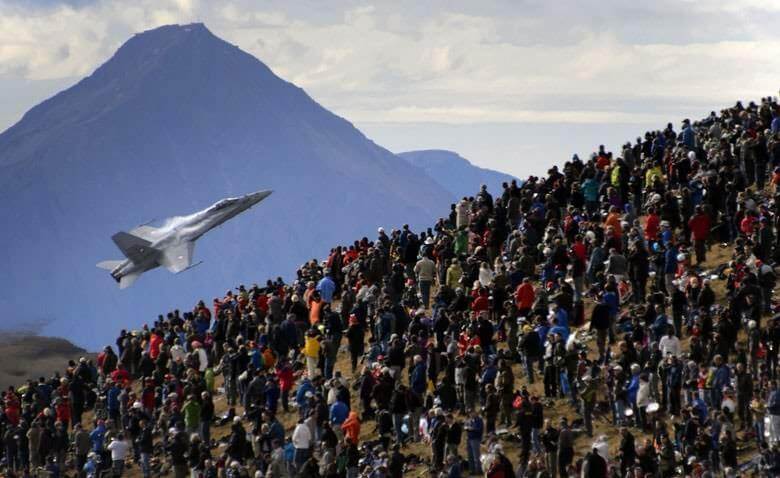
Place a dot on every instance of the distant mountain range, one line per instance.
(455, 173)
(174, 121)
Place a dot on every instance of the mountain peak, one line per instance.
(176, 119)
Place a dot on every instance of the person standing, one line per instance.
(301, 439)
(475, 428)
(565, 448)
(146, 447)
(425, 270)
(699, 226)
(119, 449)
(81, 446)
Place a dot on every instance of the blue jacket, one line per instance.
(700, 408)
(476, 427)
(659, 327)
(489, 374)
(543, 330)
(418, 379)
(272, 394)
(562, 331)
(611, 299)
(590, 189)
(300, 395)
(201, 325)
(97, 436)
(689, 137)
(326, 288)
(256, 358)
(112, 398)
(722, 377)
(670, 260)
(562, 317)
(633, 388)
(338, 412)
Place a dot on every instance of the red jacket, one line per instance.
(580, 251)
(651, 227)
(148, 398)
(121, 376)
(12, 415)
(286, 378)
(525, 296)
(480, 303)
(62, 411)
(746, 226)
(700, 227)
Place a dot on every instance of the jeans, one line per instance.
(474, 451)
(205, 431)
(146, 464)
(329, 363)
(398, 421)
(425, 292)
(536, 444)
(414, 424)
(579, 286)
(118, 467)
(619, 412)
(300, 457)
(529, 367)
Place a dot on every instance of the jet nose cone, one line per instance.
(260, 195)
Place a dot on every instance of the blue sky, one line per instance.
(513, 85)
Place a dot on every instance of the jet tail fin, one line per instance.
(109, 265)
(127, 281)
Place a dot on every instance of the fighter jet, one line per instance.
(172, 244)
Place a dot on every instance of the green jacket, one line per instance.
(191, 411)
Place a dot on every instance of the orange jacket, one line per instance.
(154, 346)
(314, 311)
(613, 219)
(351, 427)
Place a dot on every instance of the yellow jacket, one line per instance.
(454, 273)
(311, 347)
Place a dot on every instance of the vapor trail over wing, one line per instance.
(179, 257)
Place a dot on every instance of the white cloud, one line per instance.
(415, 62)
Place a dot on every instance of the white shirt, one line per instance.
(669, 344)
(177, 353)
(118, 449)
(301, 437)
(203, 359)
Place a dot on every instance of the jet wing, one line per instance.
(133, 247)
(145, 232)
(179, 257)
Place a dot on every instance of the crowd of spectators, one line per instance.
(630, 293)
